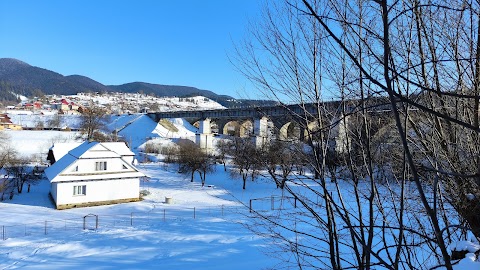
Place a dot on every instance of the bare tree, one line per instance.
(92, 121)
(223, 148)
(187, 158)
(7, 154)
(191, 158)
(55, 122)
(278, 159)
(170, 153)
(414, 61)
(245, 158)
(207, 165)
(19, 168)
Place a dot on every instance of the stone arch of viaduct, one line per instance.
(256, 121)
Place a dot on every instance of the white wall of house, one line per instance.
(96, 191)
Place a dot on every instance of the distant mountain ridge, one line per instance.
(21, 78)
(166, 90)
(18, 77)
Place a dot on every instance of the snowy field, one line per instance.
(142, 235)
(36, 143)
(202, 229)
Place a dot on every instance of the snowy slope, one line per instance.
(139, 131)
(143, 128)
(118, 122)
(31, 142)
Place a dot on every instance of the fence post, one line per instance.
(45, 227)
(131, 219)
(222, 210)
(193, 212)
(250, 205)
(295, 204)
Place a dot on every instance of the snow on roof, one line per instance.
(61, 149)
(59, 166)
(90, 150)
(120, 148)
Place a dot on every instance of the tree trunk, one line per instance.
(20, 187)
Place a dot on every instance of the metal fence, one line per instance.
(159, 213)
(133, 219)
(272, 203)
(38, 228)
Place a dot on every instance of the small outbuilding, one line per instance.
(94, 173)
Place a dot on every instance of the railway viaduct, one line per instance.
(285, 122)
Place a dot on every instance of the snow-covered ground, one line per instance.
(36, 143)
(27, 119)
(164, 236)
(201, 230)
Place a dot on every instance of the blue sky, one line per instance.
(118, 41)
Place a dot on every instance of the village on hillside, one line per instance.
(113, 102)
(52, 112)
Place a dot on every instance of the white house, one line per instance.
(94, 173)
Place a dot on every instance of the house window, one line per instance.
(101, 166)
(79, 190)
